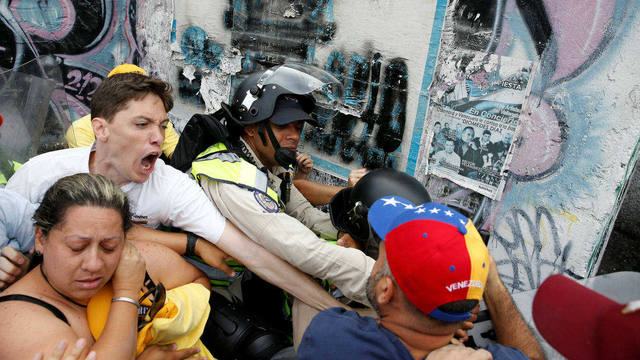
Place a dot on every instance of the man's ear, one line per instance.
(40, 238)
(100, 128)
(385, 290)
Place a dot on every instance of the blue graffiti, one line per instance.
(350, 137)
(199, 50)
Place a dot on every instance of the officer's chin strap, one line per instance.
(285, 157)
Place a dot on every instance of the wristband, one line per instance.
(126, 299)
(191, 244)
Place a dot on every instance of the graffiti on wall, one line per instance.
(354, 138)
(85, 38)
(563, 154)
(266, 33)
(560, 151)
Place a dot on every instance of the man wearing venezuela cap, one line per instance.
(432, 271)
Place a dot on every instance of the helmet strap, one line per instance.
(264, 139)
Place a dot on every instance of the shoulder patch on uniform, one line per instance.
(266, 202)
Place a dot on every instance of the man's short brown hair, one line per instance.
(116, 91)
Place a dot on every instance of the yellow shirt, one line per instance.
(80, 134)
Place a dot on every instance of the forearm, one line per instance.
(273, 269)
(118, 339)
(316, 193)
(174, 241)
(314, 219)
(510, 327)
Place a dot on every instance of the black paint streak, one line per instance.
(361, 77)
(260, 29)
(394, 100)
(535, 16)
(228, 18)
(368, 116)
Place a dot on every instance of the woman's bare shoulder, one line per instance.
(27, 327)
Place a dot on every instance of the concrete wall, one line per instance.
(570, 162)
(571, 158)
(578, 134)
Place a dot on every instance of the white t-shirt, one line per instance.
(168, 197)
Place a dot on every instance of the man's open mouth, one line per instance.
(148, 161)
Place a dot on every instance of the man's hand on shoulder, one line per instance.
(12, 266)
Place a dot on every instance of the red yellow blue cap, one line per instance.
(435, 254)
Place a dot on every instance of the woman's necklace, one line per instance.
(56, 290)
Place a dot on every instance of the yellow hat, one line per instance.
(127, 68)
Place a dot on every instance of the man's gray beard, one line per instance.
(371, 293)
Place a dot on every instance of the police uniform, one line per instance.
(247, 196)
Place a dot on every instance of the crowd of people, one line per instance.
(108, 247)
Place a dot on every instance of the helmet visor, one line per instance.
(303, 79)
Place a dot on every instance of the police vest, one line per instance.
(15, 166)
(219, 164)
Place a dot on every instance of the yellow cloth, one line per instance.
(80, 134)
(181, 320)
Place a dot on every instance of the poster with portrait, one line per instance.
(476, 103)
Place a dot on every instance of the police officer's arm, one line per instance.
(510, 327)
(320, 194)
(317, 194)
(318, 221)
(290, 240)
(273, 269)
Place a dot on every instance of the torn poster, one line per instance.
(476, 104)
